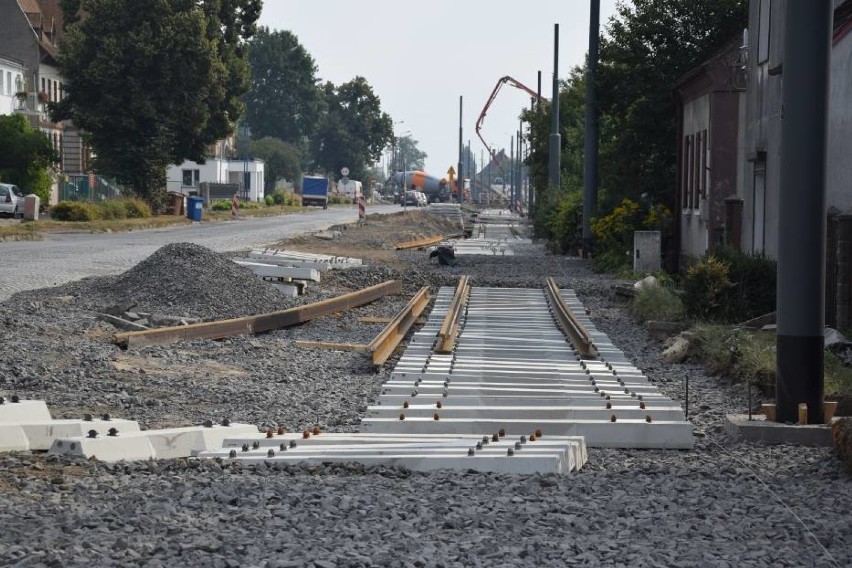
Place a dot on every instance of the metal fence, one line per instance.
(88, 188)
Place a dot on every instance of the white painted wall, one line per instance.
(693, 222)
(217, 170)
(840, 126)
(11, 78)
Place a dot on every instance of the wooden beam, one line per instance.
(420, 243)
(383, 346)
(330, 345)
(576, 331)
(259, 323)
(450, 326)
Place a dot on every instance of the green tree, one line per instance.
(281, 160)
(154, 82)
(26, 156)
(284, 100)
(648, 46)
(407, 148)
(353, 129)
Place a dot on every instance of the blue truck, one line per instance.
(315, 191)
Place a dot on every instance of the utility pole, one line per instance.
(460, 178)
(555, 138)
(802, 218)
(590, 148)
(519, 195)
(511, 172)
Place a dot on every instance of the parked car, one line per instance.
(11, 200)
(414, 199)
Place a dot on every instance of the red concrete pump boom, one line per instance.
(503, 80)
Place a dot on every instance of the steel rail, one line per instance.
(383, 346)
(576, 331)
(450, 326)
(258, 323)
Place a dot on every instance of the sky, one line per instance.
(420, 56)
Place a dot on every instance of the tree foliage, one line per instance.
(281, 160)
(284, 100)
(154, 82)
(408, 151)
(25, 156)
(647, 46)
(353, 129)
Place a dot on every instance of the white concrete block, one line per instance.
(123, 447)
(42, 434)
(23, 411)
(13, 438)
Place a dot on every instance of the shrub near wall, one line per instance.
(74, 211)
(104, 210)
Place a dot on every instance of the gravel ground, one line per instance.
(715, 506)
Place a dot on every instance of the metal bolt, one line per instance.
(510, 452)
(502, 432)
(445, 394)
(281, 430)
(316, 431)
(15, 399)
(648, 419)
(439, 404)
(612, 418)
(517, 445)
(93, 434)
(495, 438)
(436, 417)
(293, 443)
(413, 393)
(255, 445)
(282, 447)
(405, 404)
(245, 447)
(105, 417)
(87, 417)
(537, 433)
(270, 453)
(232, 454)
(2, 400)
(113, 432)
(208, 423)
(642, 405)
(226, 422)
(471, 452)
(639, 397)
(479, 445)
(608, 405)
(269, 433)
(523, 439)
(484, 440)
(607, 397)
(597, 389)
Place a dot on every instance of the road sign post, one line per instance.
(451, 173)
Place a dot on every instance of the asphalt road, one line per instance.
(60, 258)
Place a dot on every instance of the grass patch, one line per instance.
(256, 212)
(657, 303)
(747, 355)
(111, 225)
(19, 232)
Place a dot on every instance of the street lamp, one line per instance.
(405, 134)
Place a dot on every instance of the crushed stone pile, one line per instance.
(188, 279)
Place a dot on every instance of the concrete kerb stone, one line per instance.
(759, 430)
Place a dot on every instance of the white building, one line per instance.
(187, 177)
(11, 82)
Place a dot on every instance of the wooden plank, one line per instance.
(420, 243)
(575, 330)
(386, 341)
(450, 325)
(259, 323)
(330, 345)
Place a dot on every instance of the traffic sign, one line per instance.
(451, 172)
(344, 172)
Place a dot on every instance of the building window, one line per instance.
(686, 175)
(43, 85)
(763, 30)
(191, 178)
(704, 168)
(8, 82)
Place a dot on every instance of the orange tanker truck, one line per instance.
(437, 190)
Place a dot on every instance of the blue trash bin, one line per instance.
(194, 207)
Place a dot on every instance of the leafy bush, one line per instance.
(657, 303)
(112, 210)
(339, 200)
(282, 198)
(136, 209)
(730, 286)
(614, 232)
(75, 211)
(269, 200)
(225, 205)
(706, 281)
(564, 223)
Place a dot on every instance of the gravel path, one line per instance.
(625, 508)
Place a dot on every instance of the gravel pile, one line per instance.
(625, 508)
